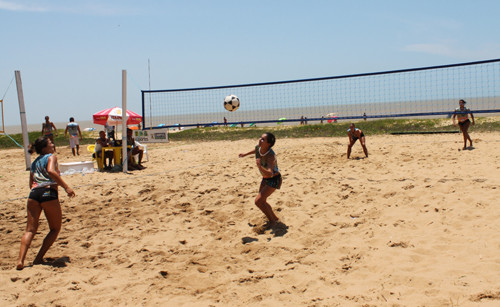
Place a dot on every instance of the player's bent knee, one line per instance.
(55, 229)
(260, 201)
(32, 230)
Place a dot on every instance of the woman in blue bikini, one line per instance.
(271, 178)
(44, 180)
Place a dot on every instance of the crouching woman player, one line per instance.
(268, 166)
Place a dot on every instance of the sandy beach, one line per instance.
(415, 224)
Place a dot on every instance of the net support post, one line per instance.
(22, 114)
(124, 121)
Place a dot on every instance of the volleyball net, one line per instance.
(417, 92)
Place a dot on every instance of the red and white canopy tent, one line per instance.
(113, 116)
(332, 117)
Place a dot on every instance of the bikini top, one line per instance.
(263, 162)
(41, 177)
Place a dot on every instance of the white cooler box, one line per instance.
(84, 167)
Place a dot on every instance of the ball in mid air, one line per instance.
(231, 103)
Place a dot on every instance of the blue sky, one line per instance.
(71, 53)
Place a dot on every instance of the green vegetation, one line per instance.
(60, 140)
(382, 126)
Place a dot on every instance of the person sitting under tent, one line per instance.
(110, 130)
(135, 150)
(101, 142)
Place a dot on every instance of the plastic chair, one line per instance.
(91, 149)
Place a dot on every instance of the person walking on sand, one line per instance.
(268, 166)
(74, 131)
(462, 113)
(355, 134)
(47, 128)
(44, 181)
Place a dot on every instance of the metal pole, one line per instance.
(149, 94)
(22, 113)
(3, 125)
(124, 121)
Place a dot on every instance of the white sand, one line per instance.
(415, 224)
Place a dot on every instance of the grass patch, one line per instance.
(60, 140)
(374, 127)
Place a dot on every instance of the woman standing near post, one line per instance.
(44, 181)
(462, 113)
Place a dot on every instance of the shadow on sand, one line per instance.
(57, 262)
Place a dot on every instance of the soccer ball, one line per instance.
(231, 103)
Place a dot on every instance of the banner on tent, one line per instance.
(151, 136)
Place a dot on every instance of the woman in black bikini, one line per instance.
(44, 180)
(355, 134)
(271, 177)
(462, 113)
